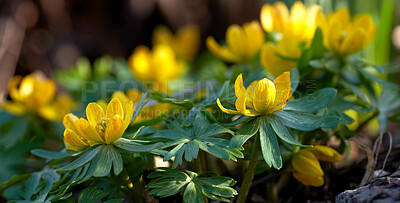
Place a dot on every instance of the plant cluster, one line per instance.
(169, 123)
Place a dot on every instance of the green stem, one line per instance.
(127, 186)
(249, 175)
(199, 168)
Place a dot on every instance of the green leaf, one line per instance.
(105, 162)
(269, 145)
(384, 83)
(247, 131)
(300, 120)
(164, 98)
(312, 102)
(135, 146)
(91, 194)
(388, 102)
(82, 160)
(49, 154)
(168, 182)
(355, 89)
(192, 193)
(139, 106)
(294, 79)
(116, 161)
(283, 133)
(317, 45)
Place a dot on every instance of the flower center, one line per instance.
(102, 125)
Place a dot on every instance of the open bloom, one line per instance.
(272, 55)
(262, 97)
(242, 43)
(35, 93)
(299, 23)
(306, 168)
(103, 126)
(159, 65)
(186, 41)
(344, 36)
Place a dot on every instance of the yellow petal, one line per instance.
(314, 17)
(263, 95)
(282, 83)
(219, 51)
(305, 162)
(73, 141)
(114, 130)
(134, 95)
(241, 107)
(50, 112)
(187, 42)
(26, 88)
(121, 96)
(325, 153)
(162, 34)
(103, 104)
(71, 122)
(249, 91)
(228, 111)
(45, 92)
(354, 42)
(164, 62)
(89, 132)
(273, 63)
(94, 113)
(128, 113)
(365, 21)
(281, 17)
(13, 87)
(308, 179)
(13, 108)
(140, 63)
(254, 37)
(266, 17)
(114, 108)
(285, 95)
(298, 14)
(239, 88)
(236, 41)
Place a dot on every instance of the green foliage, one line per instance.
(193, 133)
(167, 182)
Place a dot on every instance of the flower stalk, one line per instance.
(249, 175)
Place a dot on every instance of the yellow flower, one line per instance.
(56, 110)
(158, 65)
(148, 112)
(103, 126)
(186, 41)
(306, 168)
(299, 23)
(242, 43)
(262, 97)
(270, 55)
(344, 36)
(35, 93)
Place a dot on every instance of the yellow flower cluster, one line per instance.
(262, 97)
(166, 61)
(345, 36)
(306, 167)
(243, 43)
(103, 126)
(36, 94)
(295, 29)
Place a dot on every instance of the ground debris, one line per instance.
(385, 189)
